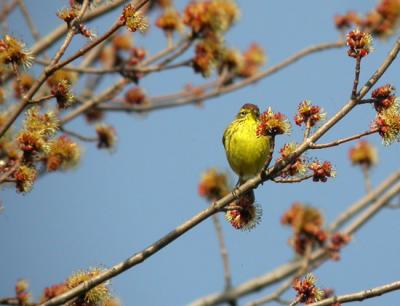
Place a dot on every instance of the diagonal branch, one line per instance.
(359, 296)
(343, 140)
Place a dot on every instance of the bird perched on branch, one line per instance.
(245, 150)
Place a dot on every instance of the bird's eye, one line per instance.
(242, 113)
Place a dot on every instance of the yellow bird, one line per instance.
(246, 152)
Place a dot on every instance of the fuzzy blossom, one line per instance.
(272, 124)
(306, 222)
(345, 21)
(337, 242)
(359, 43)
(321, 171)
(44, 124)
(384, 97)
(307, 290)
(32, 143)
(21, 292)
(213, 184)
(25, 177)
(387, 122)
(232, 60)
(384, 19)
(62, 76)
(135, 96)
(107, 137)
(37, 129)
(170, 21)
(208, 53)
(298, 166)
(381, 21)
(253, 58)
(113, 301)
(363, 154)
(246, 213)
(68, 14)
(53, 291)
(14, 52)
(95, 296)
(308, 114)
(63, 154)
(133, 19)
(62, 93)
(215, 16)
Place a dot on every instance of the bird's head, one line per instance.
(249, 110)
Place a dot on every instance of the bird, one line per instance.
(246, 151)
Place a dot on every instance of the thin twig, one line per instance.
(292, 180)
(12, 301)
(35, 33)
(367, 178)
(107, 94)
(79, 136)
(7, 9)
(54, 36)
(307, 130)
(342, 140)
(42, 99)
(362, 203)
(224, 255)
(121, 69)
(356, 77)
(235, 86)
(359, 296)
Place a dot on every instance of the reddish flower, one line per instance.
(272, 124)
(384, 97)
(307, 291)
(213, 184)
(308, 114)
(247, 214)
(360, 43)
(364, 154)
(321, 171)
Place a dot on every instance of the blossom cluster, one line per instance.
(387, 120)
(363, 154)
(244, 213)
(272, 124)
(382, 21)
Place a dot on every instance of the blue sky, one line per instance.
(114, 205)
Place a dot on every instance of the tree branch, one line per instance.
(342, 140)
(359, 296)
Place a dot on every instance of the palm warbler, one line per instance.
(246, 152)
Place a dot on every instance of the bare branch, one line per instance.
(224, 255)
(292, 180)
(359, 296)
(343, 140)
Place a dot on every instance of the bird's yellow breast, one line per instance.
(245, 151)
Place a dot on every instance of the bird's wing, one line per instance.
(224, 137)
